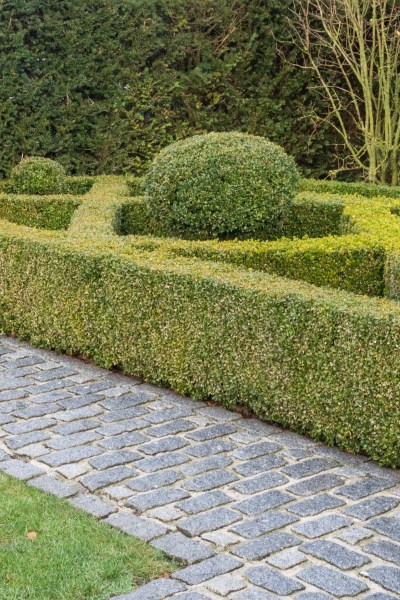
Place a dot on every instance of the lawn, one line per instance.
(51, 551)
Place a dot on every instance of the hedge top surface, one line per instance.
(37, 175)
(220, 183)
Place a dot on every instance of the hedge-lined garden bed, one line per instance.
(323, 362)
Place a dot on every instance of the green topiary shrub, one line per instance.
(221, 184)
(37, 175)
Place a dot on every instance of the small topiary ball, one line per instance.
(221, 184)
(37, 175)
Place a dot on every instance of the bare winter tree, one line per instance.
(353, 47)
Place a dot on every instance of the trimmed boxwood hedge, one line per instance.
(368, 190)
(323, 362)
(304, 217)
(46, 212)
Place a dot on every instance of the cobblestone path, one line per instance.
(252, 511)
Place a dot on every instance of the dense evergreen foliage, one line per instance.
(101, 85)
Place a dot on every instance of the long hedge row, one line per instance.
(49, 212)
(323, 362)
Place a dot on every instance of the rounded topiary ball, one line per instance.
(37, 175)
(221, 184)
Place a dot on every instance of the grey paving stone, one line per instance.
(209, 481)
(315, 484)
(4, 455)
(333, 582)
(50, 484)
(315, 505)
(117, 427)
(20, 469)
(78, 414)
(317, 527)
(178, 426)
(286, 559)
(220, 414)
(137, 526)
(126, 413)
(113, 459)
(389, 526)
(259, 465)
(208, 464)
(385, 550)
(191, 596)
(366, 487)
(264, 524)
(156, 498)
(168, 444)
(210, 448)
(273, 581)
(123, 441)
(225, 584)
(19, 441)
(260, 483)
(153, 464)
(37, 410)
(204, 502)
(76, 426)
(371, 507)
(169, 414)
(313, 596)
(386, 576)
(263, 502)
(207, 569)
(308, 467)
(93, 505)
(208, 521)
(353, 535)
(255, 450)
(75, 439)
(156, 590)
(76, 402)
(71, 455)
(335, 554)
(156, 481)
(28, 425)
(380, 596)
(4, 419)
(43, 396)
(180, 547)
(265, 546)
(253, 594)
(12, 406)
(107, 477)
(214, 431)
(127, 401)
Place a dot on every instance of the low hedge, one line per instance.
(322, 362)
(47, 212)
(305, 217)
(367, 190)
(360, 261)
(78, 186)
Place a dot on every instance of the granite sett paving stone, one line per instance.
(252, 512)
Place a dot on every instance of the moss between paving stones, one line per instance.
(323, 362)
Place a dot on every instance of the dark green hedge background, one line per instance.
(101, 85)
